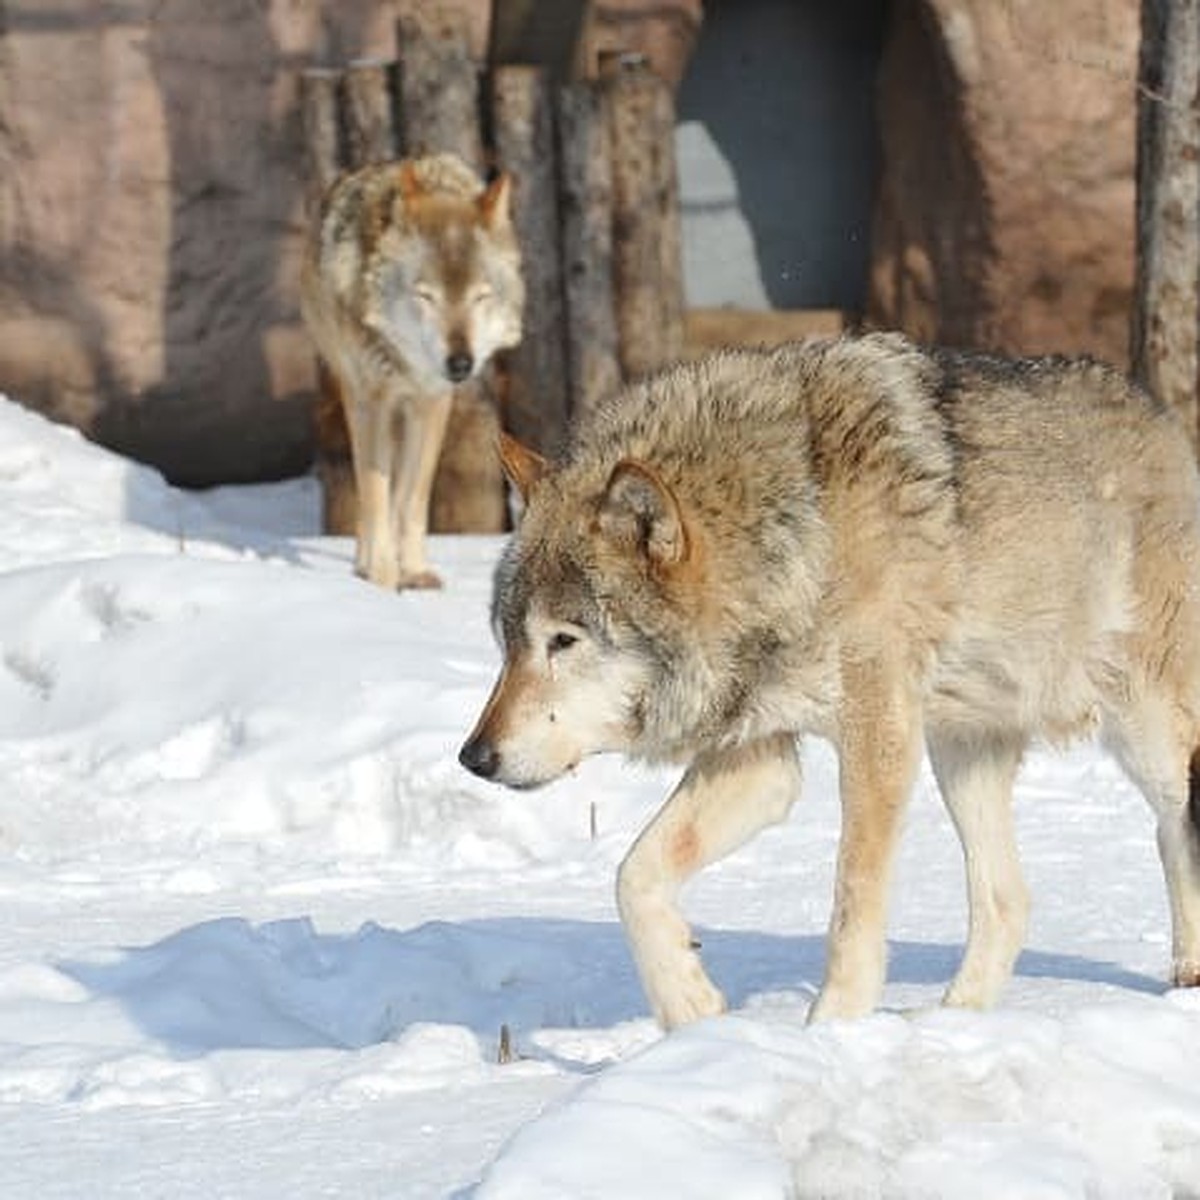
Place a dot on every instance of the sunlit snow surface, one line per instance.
(261, 933)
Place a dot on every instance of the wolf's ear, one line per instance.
(640, 506)
(523, 467)
(494, 202)
(411, 187)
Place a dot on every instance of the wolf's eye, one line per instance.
(481, 295)
(426, 295)
(561, 641)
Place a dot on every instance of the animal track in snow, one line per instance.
(35, 673)
(103, 603)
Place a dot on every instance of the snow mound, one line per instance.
(205, 720)
(1102, 1105)
(160, 687)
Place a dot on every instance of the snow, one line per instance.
(262, 934)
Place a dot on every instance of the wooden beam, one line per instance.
(647, 251)
(369, 113)
(1164, 338)
(439, 114)
(585, 182)
(536, 404)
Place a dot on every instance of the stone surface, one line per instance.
(151, 197)
(151, 213)
(1005, 216)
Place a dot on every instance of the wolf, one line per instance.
(411, 282)
(888, 546)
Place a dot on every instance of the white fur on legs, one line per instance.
(425, 419)
(724, 799)
(878, 755)
(375, 551)
(1154, 746)
(976, 774)
(1179, 850)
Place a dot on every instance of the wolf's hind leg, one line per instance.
(1179, 850)
(723, 800)
(424, 430)
(1157, 748)
(976, 775)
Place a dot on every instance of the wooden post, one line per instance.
(1164, 341)
(439, 113)
(536, 402)
(368, 135)
(585, 179)
(439, 88)
(324, 158)
(369, 116)
(322, 134)
(647, 255)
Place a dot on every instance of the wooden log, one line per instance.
(709, 329)
(647, 251)
(536, 405)
(368, 111)
(664, 32)
(324, 151)
(322, 133)
(438, 86)
(585, 183)
(1164, 335)
(366, 120)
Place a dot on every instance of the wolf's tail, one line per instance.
(1194, 791)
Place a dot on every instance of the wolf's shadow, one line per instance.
(227, 983)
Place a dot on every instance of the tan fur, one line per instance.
(887, 546)
(411, 282)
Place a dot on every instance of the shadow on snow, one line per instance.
(227, 983)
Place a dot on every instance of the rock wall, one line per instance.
(151, 218)
(151, 205)
(1005, 213)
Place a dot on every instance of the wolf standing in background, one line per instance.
(882, 545)
(411, 282)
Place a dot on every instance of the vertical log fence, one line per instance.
(595, 202)
(1166, 316)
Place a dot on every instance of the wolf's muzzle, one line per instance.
(480, 757)
(459, 366)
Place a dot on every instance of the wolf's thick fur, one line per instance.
(876, 543)
(411, 282)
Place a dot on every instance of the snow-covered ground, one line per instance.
(261, 934)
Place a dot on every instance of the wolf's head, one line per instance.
(444, 276)
(585, 609)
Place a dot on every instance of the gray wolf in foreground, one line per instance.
(411, 281)
(882, 545)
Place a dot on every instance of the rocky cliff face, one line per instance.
(151, 200)
(1005, 215)
(151, 216)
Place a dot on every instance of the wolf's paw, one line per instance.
(1186, 973)
(966, 994)
(835, 1005)
(692, 998)
(380, 577)
(425, 579)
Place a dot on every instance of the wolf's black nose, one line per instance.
(458, 366)
(480, 757)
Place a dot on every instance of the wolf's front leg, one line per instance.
(723, 800)
(879, 751)
(370, 422)
(416, 460)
